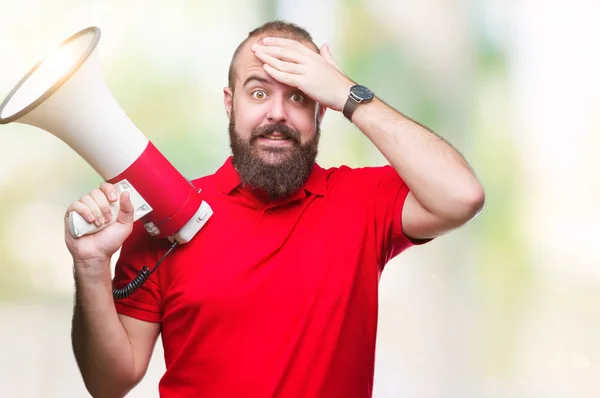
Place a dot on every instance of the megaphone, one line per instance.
(65, 95)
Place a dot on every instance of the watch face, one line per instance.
(362, 92)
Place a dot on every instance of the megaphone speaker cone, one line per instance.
(49, 74)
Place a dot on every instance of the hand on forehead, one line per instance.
(247, 59)
(285, 41)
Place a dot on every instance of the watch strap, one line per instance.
(349, 107)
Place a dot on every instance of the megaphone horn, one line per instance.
(65, 95)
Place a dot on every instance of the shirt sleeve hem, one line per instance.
(153, 316)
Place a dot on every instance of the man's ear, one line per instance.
(228, 100)
(320, 112)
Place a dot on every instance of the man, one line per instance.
(277, 294)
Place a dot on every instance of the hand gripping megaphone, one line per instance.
(65, 95)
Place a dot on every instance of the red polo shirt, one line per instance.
(273, 299)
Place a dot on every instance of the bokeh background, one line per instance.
(508, 306)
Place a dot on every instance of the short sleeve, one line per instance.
(389, 197)
(144, 303)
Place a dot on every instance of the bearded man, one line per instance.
(277, 295)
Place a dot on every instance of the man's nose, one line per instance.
(277, 111)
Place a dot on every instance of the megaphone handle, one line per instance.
(78, 226)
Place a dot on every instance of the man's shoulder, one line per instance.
(355, 174)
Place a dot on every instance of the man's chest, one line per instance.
(250, 260)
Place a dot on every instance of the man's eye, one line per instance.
(259, 94)
(297, 97)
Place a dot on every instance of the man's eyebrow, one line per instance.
(255, 78)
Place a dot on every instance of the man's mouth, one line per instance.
(276, 136)
(273, 140)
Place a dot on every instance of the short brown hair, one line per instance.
(279, 28)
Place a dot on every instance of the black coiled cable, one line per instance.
(142, 276)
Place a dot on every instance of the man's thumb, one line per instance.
(125, 209)
(326, 53)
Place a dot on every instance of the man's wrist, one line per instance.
(344, 95)
(95, 271)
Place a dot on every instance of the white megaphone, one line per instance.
(65, 95)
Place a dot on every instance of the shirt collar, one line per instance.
(229, 179)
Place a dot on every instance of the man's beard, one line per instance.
(277, 180)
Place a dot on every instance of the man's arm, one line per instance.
(444, 192)
(112, 350)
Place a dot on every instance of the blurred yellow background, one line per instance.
(508, 306)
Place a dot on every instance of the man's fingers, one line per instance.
(103, 203)
(288, 43)
(282, 53)
(91, 204)
(109, 190)
(83, 210)
(326, 53)
(281, 77)
(126, 209)
(278, 64)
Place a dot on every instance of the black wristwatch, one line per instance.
(358, 95)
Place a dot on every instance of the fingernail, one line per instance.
(266, 40)
(112, 196)
(254, 47)
(108, 217)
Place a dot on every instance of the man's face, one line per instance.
(273, 128)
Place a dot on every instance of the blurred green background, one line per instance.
(504, 307)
